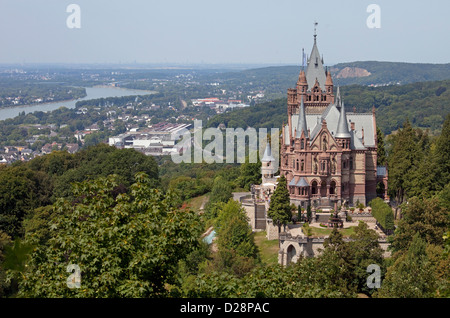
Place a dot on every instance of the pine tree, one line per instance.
(280, 209)
(443, 155)
(411, 275)
(381, 151)
(408, 150)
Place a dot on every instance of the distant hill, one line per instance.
(382, 73)
(275, 80)
(425, 104)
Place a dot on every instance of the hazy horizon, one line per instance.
(200, 32)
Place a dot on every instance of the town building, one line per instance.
(156, 140)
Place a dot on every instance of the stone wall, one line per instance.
(292, 247)
(271, 230)
(365, 216)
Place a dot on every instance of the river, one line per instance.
(91, 93)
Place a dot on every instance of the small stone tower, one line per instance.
(267, 165)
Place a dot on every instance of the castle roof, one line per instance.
(302, 183)
(331, 115)
(268, 154)
(315, 69)
(292, 183)
(301, 124)
(342, 127)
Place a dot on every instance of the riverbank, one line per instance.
(95, 92)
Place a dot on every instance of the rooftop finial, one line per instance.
(315, 30)
(303, 58)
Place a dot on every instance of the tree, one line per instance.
(280, 209)
(22, 190)
(5, 240)
(365, 251)
(126, 245)
(220, 194)
(308, 213)
(443, 155)
(250, 173)
(221, 190)
(411, 275)
(382, 212)
(381, 151)
(235, 240)
(408, 149)
(426, 217)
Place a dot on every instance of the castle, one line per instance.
(328, 154)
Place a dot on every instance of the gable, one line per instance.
(324, 141)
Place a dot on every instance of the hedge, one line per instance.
(382, 212)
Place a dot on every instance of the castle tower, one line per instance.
(267, 165)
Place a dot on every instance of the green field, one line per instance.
(268, 249)
(316, 232)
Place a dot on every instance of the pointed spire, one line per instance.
(342, 128)
(267, 154)
(301, 126)
(329, 80)
(302, 78)
(338, 98)
(303, 59)
(315, 68)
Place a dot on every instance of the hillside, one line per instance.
(382, 73)
(425, 104)
(275, 80)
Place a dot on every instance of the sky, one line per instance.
(225, 31)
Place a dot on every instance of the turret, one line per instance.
(342, 132)
(267, 169)
(301, 125)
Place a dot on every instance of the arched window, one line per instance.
(302, 166)
(332, 187)
(297, 165)
(302, 144)
(314, 187)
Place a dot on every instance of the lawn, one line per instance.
(267, 249)
(316, 232)
(195, 203)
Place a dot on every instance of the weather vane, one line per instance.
(315, 29)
